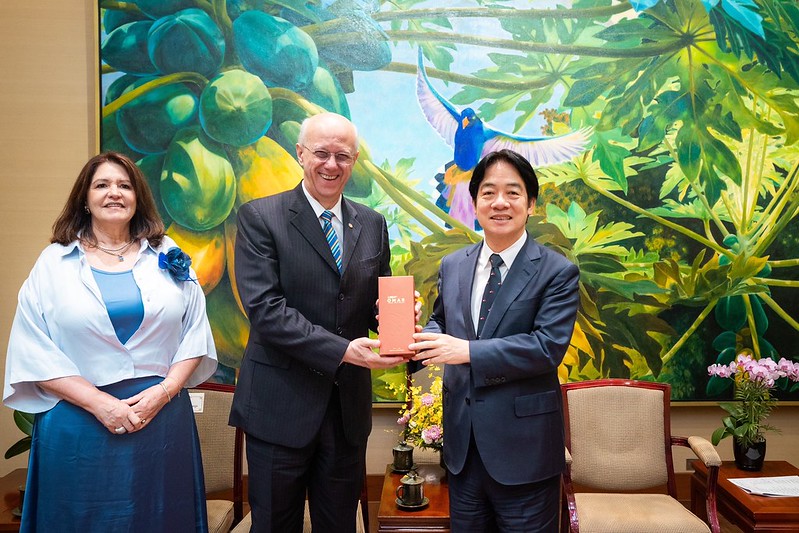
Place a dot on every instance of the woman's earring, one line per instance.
(86, 208)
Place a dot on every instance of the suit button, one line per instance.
(467, 401)
(341, 297)
(339, 331)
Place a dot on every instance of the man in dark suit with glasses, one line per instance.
(307, 263)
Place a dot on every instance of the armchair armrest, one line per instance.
(704, 451)
(568, 457)
(710, 457)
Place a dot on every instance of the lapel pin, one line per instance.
(350, 225)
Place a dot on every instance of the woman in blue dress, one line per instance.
(110, 327)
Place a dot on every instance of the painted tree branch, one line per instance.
(178, 77)
(482, 12)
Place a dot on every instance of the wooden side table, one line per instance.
(749, 512)
(433, 518)
(9, 488)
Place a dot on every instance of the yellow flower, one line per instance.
(423, 418)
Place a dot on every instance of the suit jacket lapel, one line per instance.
(303, 218)
(352, 231)
(523, 270)
(465, 281)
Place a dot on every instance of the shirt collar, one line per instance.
(317, 207)
(144, 244)
(508, 255)
(71, 247)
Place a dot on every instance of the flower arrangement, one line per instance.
(177, 263)
(423, 417)
(754, 380)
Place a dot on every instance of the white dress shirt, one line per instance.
(61, 327)
(337, 221)
(483, 271)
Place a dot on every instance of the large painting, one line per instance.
(664, 133)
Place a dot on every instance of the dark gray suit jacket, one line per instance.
(509, 395)
(302, 317)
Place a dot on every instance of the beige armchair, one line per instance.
(620, 473)
(222, 451)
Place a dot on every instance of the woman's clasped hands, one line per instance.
(130, 415)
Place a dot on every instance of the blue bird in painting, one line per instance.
(472, 138)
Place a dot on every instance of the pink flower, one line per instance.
(763, 371)
(403, 419)
(427, 399)
(432, 434)
(790, 369)
(722, 371)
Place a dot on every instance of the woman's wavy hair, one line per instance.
(74, 222)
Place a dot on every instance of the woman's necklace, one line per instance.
(119, 253)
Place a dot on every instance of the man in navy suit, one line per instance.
(307, 263)
(501, 324)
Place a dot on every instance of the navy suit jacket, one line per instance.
(509, 395)
(303, 315)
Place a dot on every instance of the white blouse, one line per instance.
(61, 327)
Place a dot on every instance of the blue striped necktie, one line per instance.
(331, 237)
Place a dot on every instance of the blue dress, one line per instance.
(82, 478)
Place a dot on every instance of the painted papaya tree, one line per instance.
(676, 120)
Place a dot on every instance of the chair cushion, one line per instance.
(220, 515)
(635, 513)
(243, 526)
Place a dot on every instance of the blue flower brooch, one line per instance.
(177, 263)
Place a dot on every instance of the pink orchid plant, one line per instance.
(754, 381)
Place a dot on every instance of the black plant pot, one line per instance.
(749, 458)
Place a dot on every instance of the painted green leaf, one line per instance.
(611, 158)
(584, 92)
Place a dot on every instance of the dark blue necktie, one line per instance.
(490, 293)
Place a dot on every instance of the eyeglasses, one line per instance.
(322, 156)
